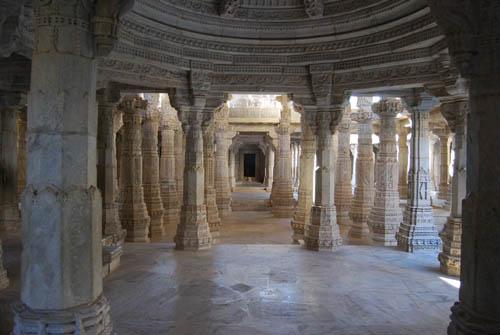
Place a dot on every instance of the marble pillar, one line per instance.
(193, 232)
(22, 124)
(109, 122)
(385, 216)
(362, 201)
(61, 284)
(305, 201)
(4, 279)
(222, 187)
(209, 165)
(444, 162)
(455, 111)
(151, 166)
(322, 232)
(270, 168)
(169, 166)
(417, 231)
(133, 209)
(403, 130)
(232, 170)
(282, 193)
(179, 152)
(343, 187)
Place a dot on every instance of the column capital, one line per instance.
(455, 112)
(388, 108)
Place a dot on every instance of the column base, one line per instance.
(451, 236)
(384, 223)
(344, 222)
(193, 232)
(466, 322)
(157, 229)
(93, 319)
(417, 231)
(298, 230)
(171, 219)
(359, 230)
(136, 222)
(111, 256)
(322, 233)
(10, 220)
(4, 280)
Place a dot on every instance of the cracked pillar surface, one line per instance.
(305, 201)
(362, 201)
(282, 193)
(403, 131)
(151, 166)
(61, 284)
(133, 210)
(455, 112)
(417, 231)
(110, 121)
(209, 165)
(322, 231)
(343, 186)
(169, 166)
(222, 187)
(193, 232)
(385, 216)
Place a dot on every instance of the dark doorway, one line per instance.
(249, 165)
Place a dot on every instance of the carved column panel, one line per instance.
(385, 216)
(179, 151)
(232, 170)
(305, 201)
(417, 231)
(134, 213)
(443, 167)
(222, 162)
(403, 132)
(151, 166)
(209, 164)
(270, 168)
(282, 197)
(362, 201)
(22, 125)
(455, 112)
(169, 166)
(193, 231)
(322, 231)
(343, 187)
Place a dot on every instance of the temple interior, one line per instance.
(249, 167)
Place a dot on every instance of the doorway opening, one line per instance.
(249, 161)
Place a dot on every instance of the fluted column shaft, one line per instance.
(210, 193)
(222, 173)
(322, 231)
(417, 231)
(133, 213)
(362, 201)
(403, 160)
(385, 216)
(193, 231)
(305, 201)
(343, 187)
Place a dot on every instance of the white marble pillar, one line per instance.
(403, 131)
(61, 284)
(270, 168)
(362, 201)
(168, 166)
(443, 134)
(133, 209)
(343, 188)
(282, 197)
(193, 232)
(22, 124)
(305, 201)
(222, 187)
(232, 170)
(455, 111)
(417, 231)
(385, 216)
(213, 218)
(151, 166)
(179, 152)
(322, 231)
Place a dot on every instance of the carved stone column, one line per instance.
(61, 284)
(222, 162)
(133, 213)
(282, 197)
(455, 112)
(232, 172)
(362, 201)
(322, 231)
(168, 166)
(270, 168)
(110, 121)
(4, 280)
(305, 201)
(385, 216)
(417, 231)
(443, 167)
(151, 166)
(180, 145)
(343, 187)
(193, 231)
(22, 124)
(403, 131)
(209, 164)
